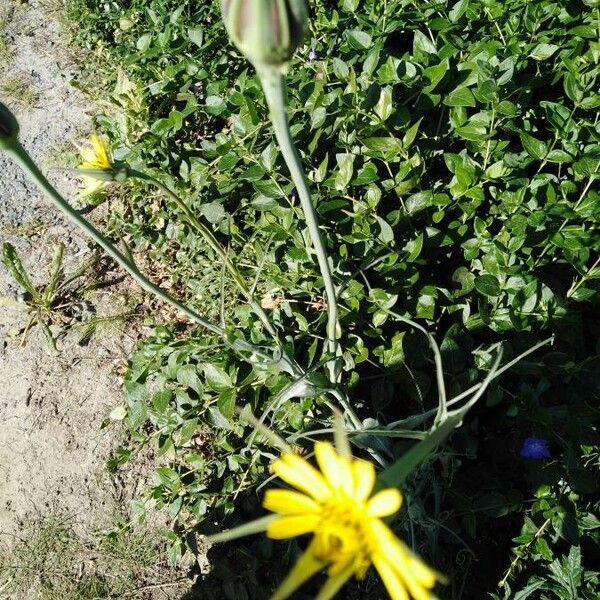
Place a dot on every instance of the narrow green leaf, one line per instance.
(256, 526)
(13, 263)
(396, 473)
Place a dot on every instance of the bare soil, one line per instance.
(52, 448)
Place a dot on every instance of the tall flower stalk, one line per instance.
(268, 32)
(273, 82)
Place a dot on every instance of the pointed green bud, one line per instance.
(267, 32)
(9, 128)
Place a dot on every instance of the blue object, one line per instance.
(535, 448)
(312, 56)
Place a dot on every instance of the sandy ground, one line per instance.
(52, 449)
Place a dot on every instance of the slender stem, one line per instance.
(478, 386)
(274, 87)
(215, 247)
(442, 411)
(577, 284)
(22, 158)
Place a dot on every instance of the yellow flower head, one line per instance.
(96, 158)
(336, 505)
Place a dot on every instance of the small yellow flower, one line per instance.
(96, 158)
(336, 505)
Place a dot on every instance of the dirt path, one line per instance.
(52, 449)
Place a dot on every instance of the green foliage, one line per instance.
(453, 150)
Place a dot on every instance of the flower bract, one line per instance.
(336, 504)
(265, 31)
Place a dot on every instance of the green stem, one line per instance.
(215, 247)
(22, 158)
(274, 87)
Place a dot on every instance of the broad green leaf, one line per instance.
(187, 375)
(345, 170)
(543, 51)
(534, 147)
(359, 40)
(216, 377)
(226, 403)
(383, 108)
(384, 145)
(196, 36)
(318, 116)
(473, 132)
(559, 156)
(458, 10)
(488, 285)
(418, 202)
(422, 43)
(215, 105)
(460, 97)
(340, 69)
(144, 42)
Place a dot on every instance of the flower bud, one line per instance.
(9, 128)
(266, 31)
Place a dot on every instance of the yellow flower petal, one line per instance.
(91, 185)
(291, 526)
(363, 473)
(96, 156)
(334, 584)
(335, 468)
(101, 152)
(300, 474)
(288, 502)
(329, 463)
(303, 570)
(390, 578)
(89, 157)
(384, 503)
(415, 574)
(422, 573)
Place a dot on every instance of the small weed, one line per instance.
(5, 47)
(20, 92)
(57, 302)
(28, 228)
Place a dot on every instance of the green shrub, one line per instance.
(454, 155)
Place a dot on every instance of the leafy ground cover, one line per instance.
(454, 155)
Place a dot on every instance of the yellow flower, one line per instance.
(336, 505)
(96, 158)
